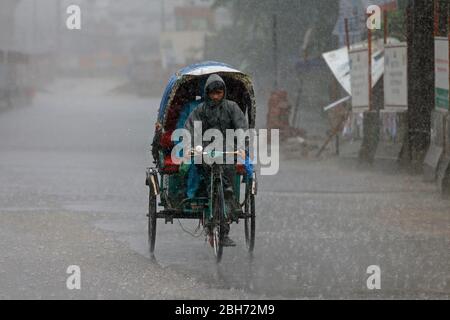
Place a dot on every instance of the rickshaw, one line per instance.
(167, 183)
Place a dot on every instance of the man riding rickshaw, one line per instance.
(216, 112)
(210, 192)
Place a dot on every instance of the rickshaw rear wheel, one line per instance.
(152, 223)
(250, 223)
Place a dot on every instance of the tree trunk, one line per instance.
(420, 27)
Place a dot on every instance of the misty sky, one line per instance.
(36, 22)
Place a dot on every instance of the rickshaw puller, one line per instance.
(216, 112)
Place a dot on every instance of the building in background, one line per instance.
(8, 8)
(185, 43)
(140, 40)
(25, 50)
(185, 29)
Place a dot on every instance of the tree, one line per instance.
(248, 43)
(420, 81)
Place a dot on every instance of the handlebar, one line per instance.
(213, 153)
(198, 151)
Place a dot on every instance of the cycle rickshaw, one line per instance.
(165, 180)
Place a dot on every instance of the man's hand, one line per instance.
(197, 151)
(242, 154)
(187, 155)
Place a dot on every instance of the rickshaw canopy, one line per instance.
(200, 70)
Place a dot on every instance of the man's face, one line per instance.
(216, 95)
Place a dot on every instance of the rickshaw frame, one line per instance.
(201, 208)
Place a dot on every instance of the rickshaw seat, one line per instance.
(170, 167)
(166, 140)
(240, 169)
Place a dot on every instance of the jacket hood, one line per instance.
(212, 79)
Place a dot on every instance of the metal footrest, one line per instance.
(169, 215)
(244, 216)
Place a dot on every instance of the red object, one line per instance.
(386, 32)
(279, 110)
(173, 115)
(279, 114)
(240, 169)
(173, 168)
(166, 140)
(30, 92)
(390, 6)
(170, 167)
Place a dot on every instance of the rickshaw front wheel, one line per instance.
(217, 232)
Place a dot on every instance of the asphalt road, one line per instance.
(72, 172)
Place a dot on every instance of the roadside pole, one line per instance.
(369, 43)
(275, 51)
(371, 121)
(421, 72)
(335, 130)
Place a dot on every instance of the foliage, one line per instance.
(248, 42)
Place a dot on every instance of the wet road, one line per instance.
(72, 170)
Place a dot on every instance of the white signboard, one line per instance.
(396, 78)
(338, 62)
(442, 73)
(359, 73)
(377, 66)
